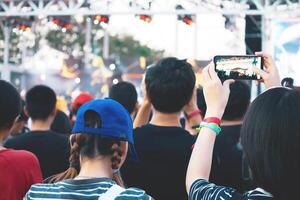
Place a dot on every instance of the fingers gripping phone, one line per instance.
(238, 67)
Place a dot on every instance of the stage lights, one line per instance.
(187, 19)
(101, 19)
(62, 22)
(145, 18)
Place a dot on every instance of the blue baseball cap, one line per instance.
(116, 122)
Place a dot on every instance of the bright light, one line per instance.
(43, 77)
(115, 81)
(96, 22)
(23, 93)
(112, 66)
(77, 80)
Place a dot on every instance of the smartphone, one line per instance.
(238, 67)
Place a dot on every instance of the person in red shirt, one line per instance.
(18, 169)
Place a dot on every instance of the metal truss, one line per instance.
(150, 7)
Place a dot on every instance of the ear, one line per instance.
(124, 148)
(53, 113)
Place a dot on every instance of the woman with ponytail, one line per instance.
(102, 136)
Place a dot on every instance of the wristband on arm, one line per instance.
(213, 120)
(214, 127)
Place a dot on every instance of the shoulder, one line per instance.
(133, 193)
(20, 154)
(57, 136)
(258, 193)
(144, 128)
(25, 159)
(202, 189)
(12, 142)
(41, 189)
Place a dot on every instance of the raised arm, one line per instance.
(143, 114)
(216, 97)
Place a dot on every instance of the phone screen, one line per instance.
(237, 67)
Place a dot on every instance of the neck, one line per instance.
(165, 119)
(231, 122)
(41, 125)
(95, 168)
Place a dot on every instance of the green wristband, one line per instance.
(214, 127)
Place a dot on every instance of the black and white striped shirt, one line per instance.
(87, 189)
(203, 190)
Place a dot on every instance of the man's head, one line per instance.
(124, 93)
(10, 105)
(40, 103)
(170, 84)
(238, 102)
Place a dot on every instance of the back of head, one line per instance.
(81, 99)
(61, 123)
(40, 102)
(10, 104)
(170, 84)
(101, 130)
(271, 141)
(124, 93)
(238, 102)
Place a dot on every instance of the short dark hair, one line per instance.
(40, 102)
(10, 104)
(271, 141)
(61, 123)
(170, 84)
(124, 93)
(238, 102)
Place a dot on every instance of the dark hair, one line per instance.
(238, 102)
(61, 123)
(288, 82)
(170, 84)
(40, 102)
(10, 104)
(90, 146)
(271, 141)
(124, 93)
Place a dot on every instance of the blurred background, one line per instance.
(88, 45)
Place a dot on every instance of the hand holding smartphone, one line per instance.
(238, 67)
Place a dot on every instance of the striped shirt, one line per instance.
(203, 190)
(87, 189)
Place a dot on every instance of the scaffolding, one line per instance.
(268, 9)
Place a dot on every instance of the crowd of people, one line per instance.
(183, 141)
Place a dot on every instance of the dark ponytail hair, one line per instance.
(91, 146)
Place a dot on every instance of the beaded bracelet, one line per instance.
(213, 126)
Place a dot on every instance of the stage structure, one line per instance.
(268, 9)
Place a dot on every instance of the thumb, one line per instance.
(227, 83)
